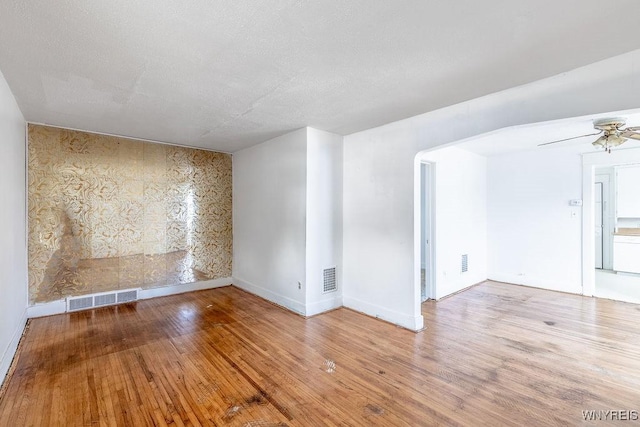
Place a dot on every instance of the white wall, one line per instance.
(269, 227)
(287, 219)
(460, 218)
(379, 180)
(535, 237)
(13, 262)
(378, 223)
(324, 218)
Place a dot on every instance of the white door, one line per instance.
(599, 224)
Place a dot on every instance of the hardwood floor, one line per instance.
(493, 355)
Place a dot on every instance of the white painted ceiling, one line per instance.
(227, 74)
(529, 137)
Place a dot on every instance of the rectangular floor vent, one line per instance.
(105, 299)
(465, 263)
(127, 296)
(329, 280)
(101, 299)
(79, 303)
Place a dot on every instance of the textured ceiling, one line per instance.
(228, 74)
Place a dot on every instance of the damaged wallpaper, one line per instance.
(108, 213)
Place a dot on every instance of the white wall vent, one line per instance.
(465, 263)
(101, 299)
(329, 280)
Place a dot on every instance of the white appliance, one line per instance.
(626, 254)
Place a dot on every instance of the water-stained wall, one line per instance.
(109, 213)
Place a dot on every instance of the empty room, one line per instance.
(317, 213)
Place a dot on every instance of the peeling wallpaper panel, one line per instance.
(109, 213)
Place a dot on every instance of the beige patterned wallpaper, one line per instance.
(108, 213)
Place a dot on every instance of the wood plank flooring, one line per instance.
(493, 355)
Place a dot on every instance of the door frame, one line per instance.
(600, 184)
(427, 228)
(608, 215)
(591, 161)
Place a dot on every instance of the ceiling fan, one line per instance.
(613, 133)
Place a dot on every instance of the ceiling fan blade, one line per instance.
(568, 139)
(632, 129)
(630, 134)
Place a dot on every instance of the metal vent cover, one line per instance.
(465, 263)
(329, 283)
(79, 303)
(101, 299)
(127, 296)
(106, 299)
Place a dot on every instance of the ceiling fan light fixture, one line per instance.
(615, 140)
(612, 131)
(609, 141)
(600, 142)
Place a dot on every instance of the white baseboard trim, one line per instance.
(47, 309)
(286, 302)
(536, 282)
(10, 351)
(324, 305)
(414, 323)
(458, 290)
(186, 287)
(616, 296)
(60, 306)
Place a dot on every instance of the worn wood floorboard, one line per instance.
(495, 354)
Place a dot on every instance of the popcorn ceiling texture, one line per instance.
(229, 74)
(108, 213)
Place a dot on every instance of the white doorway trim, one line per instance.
(606, 177)
(427, 230)
(417, 229)
(599, 203)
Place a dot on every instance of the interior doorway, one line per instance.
(621, 223)
(427, 283)
(604, 217)
(599, 224)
